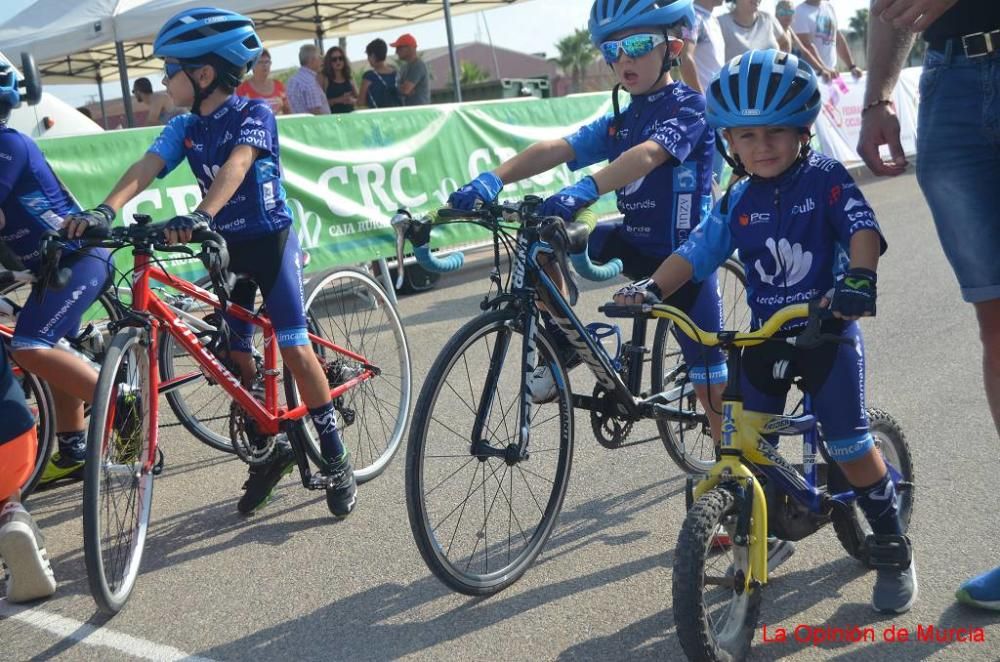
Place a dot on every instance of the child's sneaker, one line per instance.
(264, 477)
(337, 478)
(982, 591)
(542, 385)
(66, 462)
(25, 562)
(896, 573)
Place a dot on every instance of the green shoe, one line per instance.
(60, 467)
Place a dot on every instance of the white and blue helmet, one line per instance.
(610, 16)
(763, 88)
(206, 35)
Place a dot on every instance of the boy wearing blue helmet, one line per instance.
(34, 202)
(802, 228)
(660, 151)
(231, 144)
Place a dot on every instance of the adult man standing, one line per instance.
(958, 145)
(815, 24)
(304, 92)
(704, 47)
(414, 82)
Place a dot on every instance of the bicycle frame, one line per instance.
(270, 416)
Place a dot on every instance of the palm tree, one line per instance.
(859, 25)
(576, 53)
(470, 73)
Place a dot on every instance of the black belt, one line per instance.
(976, 44)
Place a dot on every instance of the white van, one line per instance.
(50, 117)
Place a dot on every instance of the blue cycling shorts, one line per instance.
(701, 301)
(42, 324)
(833, 375)
(273, 263)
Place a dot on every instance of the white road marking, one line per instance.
(85, 633)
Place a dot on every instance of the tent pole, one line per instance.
(318, 20)
(123, 76)
(456, 77)
(100, 95)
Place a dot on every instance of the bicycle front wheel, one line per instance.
(481, 512)
(348, 308)
(118, 474)
(690, 445)
(716, 616)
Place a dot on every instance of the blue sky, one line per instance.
(530, 27)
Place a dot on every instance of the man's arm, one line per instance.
(810, 57)
(414, 74)
(844, 51)
(809, 47)
(887, 50)
(155, 108)
(689, 71)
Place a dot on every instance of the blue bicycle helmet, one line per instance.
(763, 88)
(196, 35)
(610, 16)
(9, 95)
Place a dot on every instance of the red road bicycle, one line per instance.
(354, 330)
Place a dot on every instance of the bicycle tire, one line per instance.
(428, 428)
(38, 397)
(695, 455)
(889, 436)
(348, 307)
(118, 460)
(692, 602)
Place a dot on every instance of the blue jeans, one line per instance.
(958, 164)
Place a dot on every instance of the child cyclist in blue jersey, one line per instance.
(231, 144)
(32, 203)
(802, 228)
(660, 152)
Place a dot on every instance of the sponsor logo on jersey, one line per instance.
(756, 218)
(684, 211)
(792, 264)
(852, 204)
(252, 121)
(220, 113)
(268, 190)
(637, 205)
(835, 194)
(684, 178)
(192, 145)
(6, 157)
(629, 189)
(806, 205)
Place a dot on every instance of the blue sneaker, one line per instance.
(982, 591)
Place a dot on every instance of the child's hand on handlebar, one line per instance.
(570, 200)
(77, 223)
(854, 295)
(642, 291)
(179, 229)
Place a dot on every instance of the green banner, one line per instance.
(345, 175)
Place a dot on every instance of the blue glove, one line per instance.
(570, 200)
(854, 295)
(196, 220)
(484, 188)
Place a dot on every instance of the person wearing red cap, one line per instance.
(414, 83)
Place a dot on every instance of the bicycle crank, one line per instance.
(610, 430)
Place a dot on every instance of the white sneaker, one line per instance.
(26, 563)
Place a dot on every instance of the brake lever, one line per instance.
(401, 225)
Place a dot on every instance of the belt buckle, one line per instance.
(987, 42)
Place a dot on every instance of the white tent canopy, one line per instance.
(75, 40)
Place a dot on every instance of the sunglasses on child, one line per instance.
(634, 46)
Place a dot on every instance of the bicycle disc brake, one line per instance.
(610, 430)
(251, 447)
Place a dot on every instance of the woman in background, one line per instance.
(336, 81)
(260, 86)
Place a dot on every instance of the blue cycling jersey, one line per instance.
(258, 207)
(793, 233)
(660, 209)
(32, 199)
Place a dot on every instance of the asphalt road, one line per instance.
(292, 583)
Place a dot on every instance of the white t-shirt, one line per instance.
(710, 46)
(763, 34)
(820, 23)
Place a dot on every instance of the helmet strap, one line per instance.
(199, 94)
(617, 119)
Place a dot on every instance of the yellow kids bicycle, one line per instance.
(753, 490)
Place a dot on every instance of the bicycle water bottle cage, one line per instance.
(887, 550)
(601, 330)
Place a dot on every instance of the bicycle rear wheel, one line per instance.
(39, 400)
(348, 308)
(118, 474)
(481, 514)
(690, 445)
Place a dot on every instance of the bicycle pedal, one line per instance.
(320, 482)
